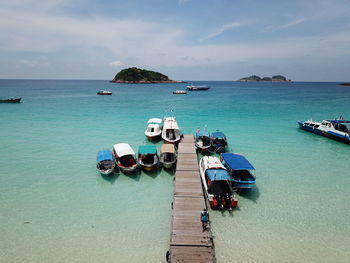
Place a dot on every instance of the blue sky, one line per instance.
(184, 39)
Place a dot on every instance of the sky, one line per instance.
(183, 39)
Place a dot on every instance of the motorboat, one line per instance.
(180, 92)
(202, 140)
(197, 88)
(337, 129)
(125, 157)
(11, 100)
(171, 132)
(217, 183)
(148, 157)
(154, 128)
(218, 141)
(104, 92)
(168, 155)
(240, 170)
(105, 162)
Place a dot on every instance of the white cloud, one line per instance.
(221, 30)
(116, 63)
(284, 26)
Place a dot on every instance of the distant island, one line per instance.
(277, 78)
(136, 75)
(344, 84)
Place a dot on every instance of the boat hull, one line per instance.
(153, 137)
(128, 170)
(17, 100)
(106, 172)
(149, 168)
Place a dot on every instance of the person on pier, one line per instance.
(204, 219)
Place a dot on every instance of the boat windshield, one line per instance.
(344, 127)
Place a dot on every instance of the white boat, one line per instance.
(217, 183)
(171, 132)
(154, 129)
(180, 92)
(104, 92)
(168, 155)
(125, 157)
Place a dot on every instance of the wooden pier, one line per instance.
(188, 242)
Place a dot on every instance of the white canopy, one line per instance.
(122, 149)
(170, 123)
(155, 120)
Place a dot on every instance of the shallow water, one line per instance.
(55, 207)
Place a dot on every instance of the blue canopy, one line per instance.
(218, 174)
(218, 134)
(237, 161)
(202, 133)
(147, 149)
(104, 155)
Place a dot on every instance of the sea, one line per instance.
(56, 207)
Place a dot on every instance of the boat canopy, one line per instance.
(147, 149)
(122, 149)
(168, 148)
(170, 123)
(155, 121)
(104, 155)
(339, 121)
(237, 161)
(202, 133)
(218, 134)
(218, 175)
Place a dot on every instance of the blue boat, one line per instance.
(337, 129)
(218, 141)
(105, 162)
(197, 88)
(240, 170)
(202, 140)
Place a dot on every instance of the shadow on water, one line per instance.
(170, 171)
(154, 173)
(252, 195)
(109, 178)
(135, 175)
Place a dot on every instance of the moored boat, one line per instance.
(11, 100)
(218, 141)
(168, 155)
(125, 157)
(337, 129)
(240, 170)
(154, 129)
(217, 183)
(148, 157)
(105, 162)
(197, 88)
(202, 140)
(104, 92)
(180, 92)
(171, 132)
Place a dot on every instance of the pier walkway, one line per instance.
(188, 242)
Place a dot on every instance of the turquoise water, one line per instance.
(55, 207)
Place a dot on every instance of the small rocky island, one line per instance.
(344, 84)
(277, 78)
(136, 75)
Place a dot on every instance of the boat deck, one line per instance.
(188, 242)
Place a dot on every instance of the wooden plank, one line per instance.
(191, 254)
(187, 138)
(187, 162)
(186, 148)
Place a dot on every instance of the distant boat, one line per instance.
(171, 132)
(337, 129)
(105, 162)
(148, 157)
(154, 128)
(202, 140)
(218, 141)
(180, 92)
(125, 157)
(104, 92)
(197, 88)
(168, 155)
(240, 170)
(11, 100)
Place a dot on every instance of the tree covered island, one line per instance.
(136, 75)
(277, 78)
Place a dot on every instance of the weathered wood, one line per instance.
(188, 242)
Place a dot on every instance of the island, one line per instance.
(136, 75)
(277, 78)
(344, 84)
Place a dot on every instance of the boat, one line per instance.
(202, 140)
(171, 132)
(217, 184)
(154, 128)
(105, 162)
(180, 92)
(148, 157)
(218, 141)
(104, 92)
(197, 88)
(337, 129)
(125, 157)
(11, 100)
(240, 170)
(168, 155)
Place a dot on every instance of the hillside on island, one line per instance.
(277, 78)
(136, 75)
